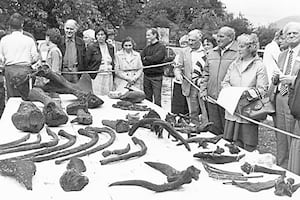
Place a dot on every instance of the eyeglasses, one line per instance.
(127, 45)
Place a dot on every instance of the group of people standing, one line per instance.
(235, 63)
(203, 68)
(116, 64)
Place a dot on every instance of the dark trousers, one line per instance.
(152, 88)
(73, 78)
(2, 95)
(15, 84)
(216, 114)
(179, 103)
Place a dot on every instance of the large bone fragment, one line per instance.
(83, 88)
(72, 180)
(53, 112)
(83, 117)
(21, 170)
(73, 108)
(28, 118)
(185, 177)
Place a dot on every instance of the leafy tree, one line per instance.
(42, 14)
(265, 34)
(183, 15)
(119, 12)
(179, 15)
(240, 24)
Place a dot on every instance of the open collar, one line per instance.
(246, 64)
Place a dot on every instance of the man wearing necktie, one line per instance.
(289, 66)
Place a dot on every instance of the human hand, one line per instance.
(203, 95)
(36, 65)
(286, 79)
(106, 67)
(275, 78)
(130, 82)
(178, 76)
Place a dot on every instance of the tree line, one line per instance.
(180, 16)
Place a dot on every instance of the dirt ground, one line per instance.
(266, 139)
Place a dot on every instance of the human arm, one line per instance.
(204, 80)
(158, 56)
(2, 58)
(55, 60)
(88, 56)
(119, 69)
(262, 80)
(93, 58)
(287, 79)
(33, 52)
(226, 81)
(178, 68)
(140, 71)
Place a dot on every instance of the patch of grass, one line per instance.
(266, 139)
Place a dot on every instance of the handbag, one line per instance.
(294, 97)
(259, 108)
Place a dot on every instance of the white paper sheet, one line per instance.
(229, 97)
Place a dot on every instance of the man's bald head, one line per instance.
(197, 33)
(292, 32)
(194, 39)
(228, 31)
(225, 36)
(71, 22)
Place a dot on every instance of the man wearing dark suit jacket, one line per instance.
(73, 50)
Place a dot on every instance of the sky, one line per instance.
(263, 12)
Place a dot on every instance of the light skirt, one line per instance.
(103, 84)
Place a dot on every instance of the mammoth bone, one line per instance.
(53, 112)
(21, 170)
(28, 118)
(175, 178)
(81, 89)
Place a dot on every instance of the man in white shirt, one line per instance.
(17, 53)
(271, 53)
